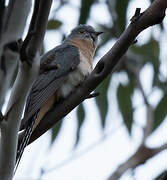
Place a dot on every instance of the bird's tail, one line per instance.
(24, 141)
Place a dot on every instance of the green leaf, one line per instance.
(55, 131)
(162, 85)
(102, 100)
(121, 8)
(85, 10)
(124, 93)
(54, 24)
(160, 112)
(80, 118)
(150, 49)
(149, 52)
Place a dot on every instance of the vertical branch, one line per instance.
(37, 28)
(14, 21)
(10, 125)
(26, 75)
(149, 122)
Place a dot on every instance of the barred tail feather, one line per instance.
(24, 142)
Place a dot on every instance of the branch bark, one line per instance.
(10, 125)
(153, 15)
(26, 75)
(13, 24)
(16, 19)
(140, 157)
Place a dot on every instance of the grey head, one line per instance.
(84, 32)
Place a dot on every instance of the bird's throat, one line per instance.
(86, 47)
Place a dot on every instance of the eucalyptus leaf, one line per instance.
(121, 8)
(85, 10)
(54, 24)
(124, 93)
(55, 131)
(102, 100)
(150, 52)
(160, 112)
(80, 118)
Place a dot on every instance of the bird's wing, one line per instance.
(66, 58)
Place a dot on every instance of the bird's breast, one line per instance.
(76, 77)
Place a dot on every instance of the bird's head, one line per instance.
(84, 33)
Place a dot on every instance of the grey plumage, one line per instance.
(66, 57)
(47, 83)
(62, 69)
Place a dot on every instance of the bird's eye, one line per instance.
(82, 31)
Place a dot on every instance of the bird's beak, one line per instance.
(98, 33)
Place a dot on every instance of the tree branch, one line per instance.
(26, 75)
(153, 15)
(13, 27)
(10, 124)
(36, 32)
(140, 157)
(149, 122)
(16, 19)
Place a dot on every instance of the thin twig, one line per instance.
(140, 157)
(141, 89)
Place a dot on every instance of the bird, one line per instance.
(62, 70)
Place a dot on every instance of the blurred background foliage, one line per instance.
(138, 56)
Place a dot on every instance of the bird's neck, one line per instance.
(86, 47)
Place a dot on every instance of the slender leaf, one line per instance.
(85, 10)
(102, 100)
(121, 8)
(125, 104)
(150, 52)
(55, 131)
(80, 117)
(160, 112)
